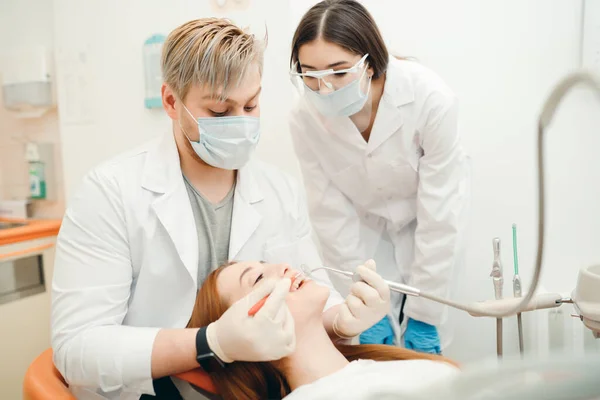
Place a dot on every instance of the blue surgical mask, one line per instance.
(343, 102)
(226, 142)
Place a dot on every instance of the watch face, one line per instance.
(204, 359)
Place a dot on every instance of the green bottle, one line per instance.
(37, 180)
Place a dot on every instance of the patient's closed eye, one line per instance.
(258, 279)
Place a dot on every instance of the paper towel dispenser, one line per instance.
(27, 82)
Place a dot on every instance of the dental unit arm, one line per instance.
(585, 297)
(488, 308)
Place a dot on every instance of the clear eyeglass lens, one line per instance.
(332, 81)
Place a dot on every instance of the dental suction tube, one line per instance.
(546, 116)
(550, 107)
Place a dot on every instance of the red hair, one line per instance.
(261, 380)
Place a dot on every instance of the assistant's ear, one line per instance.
(168, 101)
(370, 72)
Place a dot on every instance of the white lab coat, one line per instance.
(400, 198)
(127, 261)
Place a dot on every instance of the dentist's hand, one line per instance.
(367, 303)
(268, 335)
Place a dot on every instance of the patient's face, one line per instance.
(305, 302)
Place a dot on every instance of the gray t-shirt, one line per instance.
(213, 224)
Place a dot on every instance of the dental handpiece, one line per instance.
(394, 286)
(497, 276)
(497, 273)
(517, 292)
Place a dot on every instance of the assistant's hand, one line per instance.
(422, 337)
(367, 303)
(268, 335)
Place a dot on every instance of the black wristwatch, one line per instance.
(207, 359)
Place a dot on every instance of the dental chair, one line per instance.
(201, 382)
(44, 382)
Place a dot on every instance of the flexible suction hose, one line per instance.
(548, 111)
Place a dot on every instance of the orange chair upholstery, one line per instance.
(44, 382)
(200, 379)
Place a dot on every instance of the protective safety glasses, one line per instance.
(331, 79)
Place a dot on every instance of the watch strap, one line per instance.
(207, 359)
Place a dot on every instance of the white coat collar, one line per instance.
(397, 92)
(163, 176)
(245, 217)
(162, 171)
(399, 87)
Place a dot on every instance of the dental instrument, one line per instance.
(586, 296)
(517, 287)
(256, 308)
(498, 278)
(394, 286)
(487, 308)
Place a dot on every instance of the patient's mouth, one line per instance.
(297, 282)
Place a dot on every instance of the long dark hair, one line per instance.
(346, 23)
(261, 380)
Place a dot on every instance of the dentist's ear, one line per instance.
(168, 100)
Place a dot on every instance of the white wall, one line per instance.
(26, 25)
(500, 57)
(30, 23)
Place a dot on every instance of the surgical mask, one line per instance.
(343, 102)
(225, 142)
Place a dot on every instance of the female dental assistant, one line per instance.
(382, 161)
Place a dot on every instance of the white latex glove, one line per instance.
(268, 335)
(367, 303)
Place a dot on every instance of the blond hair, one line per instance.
(211, 52)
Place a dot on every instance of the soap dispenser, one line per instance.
(37, 173)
